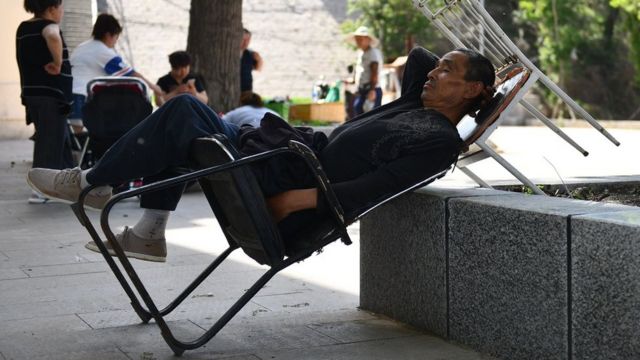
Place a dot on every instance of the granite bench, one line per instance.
(511, 275)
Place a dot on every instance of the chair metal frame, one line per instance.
(150, 310)
(467, 24)
(513, 85)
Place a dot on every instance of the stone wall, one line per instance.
(510, 275)
(298, 40)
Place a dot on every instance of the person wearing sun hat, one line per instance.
(367, 72)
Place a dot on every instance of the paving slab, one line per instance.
(9, 274)
(66, 269)
(43, 325)
(363, 330)
(60, 345)
(418, 347)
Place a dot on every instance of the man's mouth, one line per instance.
(428, 85)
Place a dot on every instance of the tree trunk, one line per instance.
(215, 33)
(609, 26)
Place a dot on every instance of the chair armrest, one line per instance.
(323, 181)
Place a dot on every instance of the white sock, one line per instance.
(83, 179)
(152, 224)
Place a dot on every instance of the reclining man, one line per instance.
(366, 159)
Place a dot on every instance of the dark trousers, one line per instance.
(156, 145)
(362, 97)
(51, 148)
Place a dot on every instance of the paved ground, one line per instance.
(60, 301)
(546, 159)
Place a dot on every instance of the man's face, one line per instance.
(181, 72)
(362, 42)
(446, 86)
(246, 39)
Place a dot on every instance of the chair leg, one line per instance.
(545, 120)
(80, 213)
(84, 151)
(510, 168)
(197, 281)
(475, 177)
(542, 77)
(144, 314)
(577, 108)
(179, 347)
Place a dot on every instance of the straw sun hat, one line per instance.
(363, 31)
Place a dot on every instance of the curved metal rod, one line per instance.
(78, 209)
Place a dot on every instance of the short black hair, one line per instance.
(105, 24)
(252, 99)
(179, 59)
(244, 30)
(479, 68)
(38, 7)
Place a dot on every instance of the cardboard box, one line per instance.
(333, 112)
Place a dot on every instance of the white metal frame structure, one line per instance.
(467, 24)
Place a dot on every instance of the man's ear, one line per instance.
(473, 89)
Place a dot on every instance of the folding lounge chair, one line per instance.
(238, 204)
(467, 24)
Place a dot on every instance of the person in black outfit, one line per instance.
(366, 159)
(45, 80)
(249, 60)
(180, 80)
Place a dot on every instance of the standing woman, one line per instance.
(45, 79)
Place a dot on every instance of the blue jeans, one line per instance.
(361, 98)
(157, 144)
(76, 108)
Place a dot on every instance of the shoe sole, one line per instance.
(61, 200)
(129, 254)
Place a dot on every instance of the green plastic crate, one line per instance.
(282, 108)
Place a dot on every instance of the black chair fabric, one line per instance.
(237, 202)
(112, 112)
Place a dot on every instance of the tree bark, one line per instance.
(215, 33)
(609, 26)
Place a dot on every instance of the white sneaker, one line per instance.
(65, 185)
(37, 198)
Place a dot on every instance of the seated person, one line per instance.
(180, 80)
(366, 159)
(250, 113)
(97, 57)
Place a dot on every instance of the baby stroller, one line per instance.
(114, 105)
